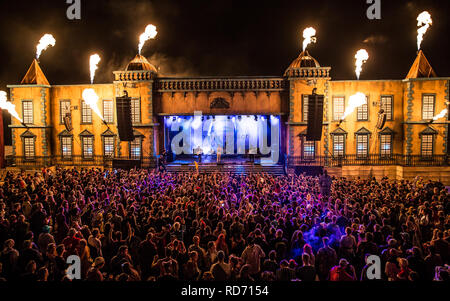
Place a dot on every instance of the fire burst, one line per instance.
(6, 105)
(91, 98)
(150, 33)
(355, 101)
(46, 41)
(424, 21)
(361, 57)
(440, 115)
(309, 37)
(93, 62)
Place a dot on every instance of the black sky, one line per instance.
(210, 37)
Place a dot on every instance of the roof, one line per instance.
(34, 75)
(421, 68)
(428, 131)
(304, 60)
(363, 131)
(338, 131)
(140, 63)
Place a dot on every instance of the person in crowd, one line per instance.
(134, 225)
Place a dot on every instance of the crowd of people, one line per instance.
(142, 225)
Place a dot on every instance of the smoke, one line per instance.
(361, 57)
(46, 41)
(309, 37)
(150, 33)
(91, 98)
(355, 101)
(375, 39)
(6, 105)
(424, 21)
(170, 66)
(440, 115)
(93, 62)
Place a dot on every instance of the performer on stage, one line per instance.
(219, 153)
(162, 160)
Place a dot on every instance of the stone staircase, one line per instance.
(242, 169)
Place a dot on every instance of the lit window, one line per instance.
(386, 105)
(362, 113)
(338, 108)
(427, 145)
(135, 110)
(66, 147)
(305, 108)
(428, 107)
(385, 145)
(136, 149)
(362, 146)
(86, 113)
(309, 149)
(108, 111)
(338, 145)
(108, 146)
(64, 108)
(29, 148)
(27, 109)
(88, 147)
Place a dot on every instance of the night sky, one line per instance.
(203, 38)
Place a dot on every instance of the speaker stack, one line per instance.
(124, 125)
(315, 117)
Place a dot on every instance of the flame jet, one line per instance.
(361, 57)
(10, 107)
(93, 62)
(46, 41)
(440, 115)
(150, 33)
(309, 37)
(91, 98)
(424, 21)
(355, 101)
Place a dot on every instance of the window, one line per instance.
(428, 107)
(338, 108)
(108, 111)
(135, 110)
(27, 110)
(28, 143)
(386, 105)
(86, 113)
(66, 147)
(427, 145)
(305, 108)
(385, 145)
(309, 149)
(64, 108)
(338, 145)
(362, 146)
(108, 146)
(362, 113)
(88, 147)
(136, 148)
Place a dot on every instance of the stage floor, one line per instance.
(212, 159)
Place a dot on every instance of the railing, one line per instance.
(371, 160)
(218, 84)
(76, 160)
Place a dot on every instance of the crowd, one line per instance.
(145, 225)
